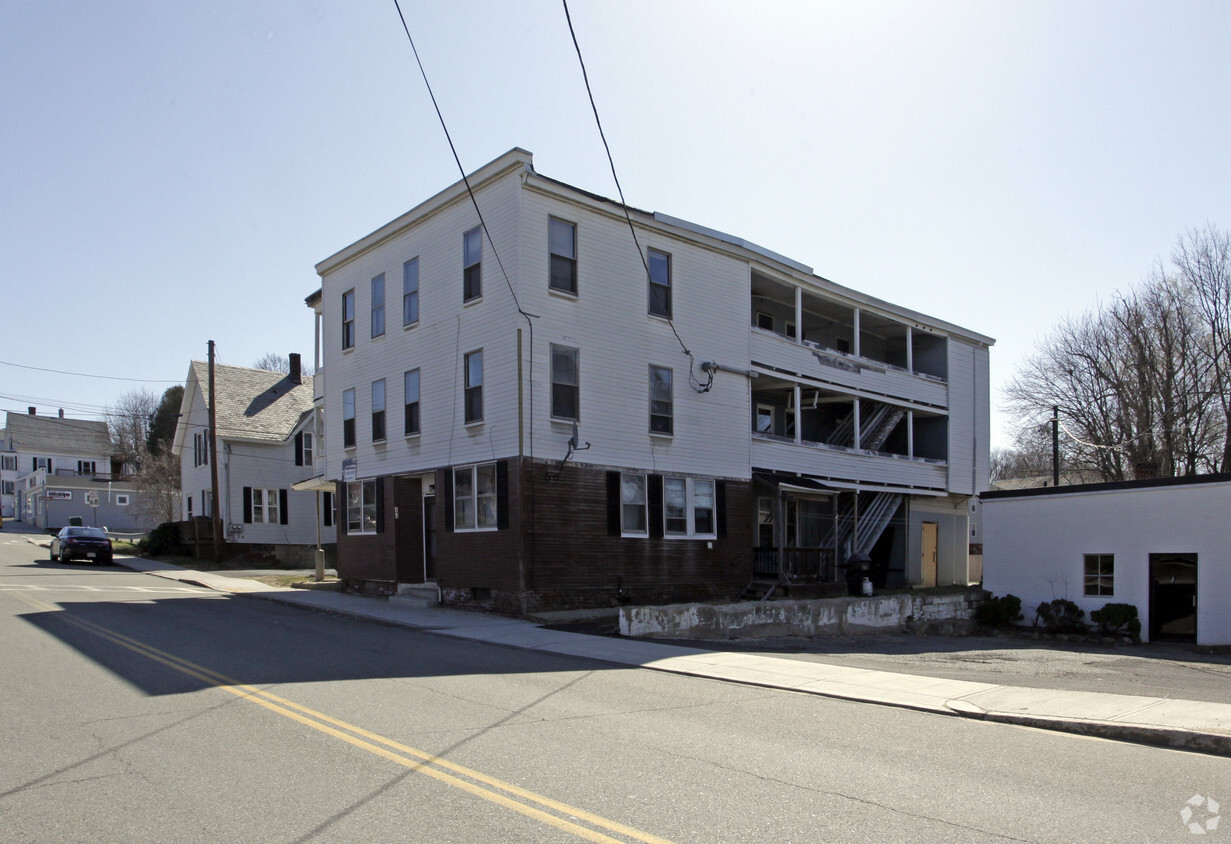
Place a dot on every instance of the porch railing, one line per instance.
(799, 565)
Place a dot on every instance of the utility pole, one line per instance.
(1055, 445)
(215, 510)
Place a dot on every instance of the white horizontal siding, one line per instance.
(848, 465)
(969, 425)
(268, 466)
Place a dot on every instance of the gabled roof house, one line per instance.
(535, 410)
(267, 434)
(59, 447)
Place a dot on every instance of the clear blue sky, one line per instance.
(170, 172)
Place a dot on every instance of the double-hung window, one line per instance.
(1100, 575)
(565, 384)
(378, 305)
(474, 387)
(348, 418)
(361, 507)
(474, 497)
(348, 319)
(378, 411)
(410, 292)
(264, 506)
(472, 262)
(562, 246)
(411, 392)
(633, 519)
(688, 507)
(85, 467)
(660, 283)
(662, 402)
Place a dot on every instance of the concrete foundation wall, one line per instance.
(953, 613)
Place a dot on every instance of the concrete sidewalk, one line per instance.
(1183, 724)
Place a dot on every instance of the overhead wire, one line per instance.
(692, 379)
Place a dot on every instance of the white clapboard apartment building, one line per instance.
(543, 412)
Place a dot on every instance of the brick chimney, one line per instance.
(32, 410)
(61, 413)
(296, 374)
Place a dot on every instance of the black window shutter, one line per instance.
(247, 505)
(380, 505)
(502, 495)
(654, 496)
(34, 460)
(613, 503)
(341, 495)
(299, 449)
(447, 503)
(327, 509)
(720, 504)
(282, 508)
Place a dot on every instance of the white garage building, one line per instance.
(1163, 545)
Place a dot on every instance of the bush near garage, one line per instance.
(999, 612)
(1060, 616)
(1117, 620)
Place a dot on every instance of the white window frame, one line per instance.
(410, 293)
(556, 224)
(379, 418)
(662, 283)
(348, 319)
(472, 265)
(348, 415)
(689, 486)
(669, 381)
(378, 306)
(265, 506)
(480, 508)
(408, 401)
(557, 381)
(634, 500)
(761, 410)
(306, 449)
(361, 507)
(473, 386)
(121, 500)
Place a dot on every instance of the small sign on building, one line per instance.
(59, 495)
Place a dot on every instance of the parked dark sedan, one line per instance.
(81, 543)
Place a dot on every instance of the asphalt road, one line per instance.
(139, 709)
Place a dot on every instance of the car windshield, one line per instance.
(89, 533)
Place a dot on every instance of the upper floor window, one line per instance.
(303, 448)
(562, 245)
(378, 305)
(85, 467)
(475, 497)
(348, 418)
(472, 261)
(200, 448)
(662, 403)
(474, 386)
(411, 393)
(348, 319)
(660, 283)
(410, 292)
(9, 462)
(688, 507)
(378, 411)
(565, 383)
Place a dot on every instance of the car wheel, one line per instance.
(65, 558)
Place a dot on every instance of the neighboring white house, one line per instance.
(59, 447)
(266, 439)
(1163, 545)
(574, 418)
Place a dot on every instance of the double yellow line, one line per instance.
(543, 809)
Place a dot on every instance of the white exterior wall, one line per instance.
(969, 418)
(1033, 547)
(267, 466)
(193, 479)
(617, 341)
(952, 544)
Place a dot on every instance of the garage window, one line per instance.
(1100, 574)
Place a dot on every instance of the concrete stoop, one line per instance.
(419, 595)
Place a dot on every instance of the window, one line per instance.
(9, 462)
(207, 502)
(662, 410)
(474, 497)
(9, 487)
(348, 418)
(1100, 574)
(200, 448)
(410, 292)
(378, 305)
(190, 506)
(660, 283)
(765, 419)
(303, 448)
(121, 500)
(474, 386)
(472, 258)
(378, 410)
(348, 319)
(327, 509)
(688, 507)
(361, 507)
(633, 519)
(565, 392)
(562, 245)
(765, 321)
(85, 467)
(411, 392)
(264, 506)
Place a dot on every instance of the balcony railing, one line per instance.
(798, 565)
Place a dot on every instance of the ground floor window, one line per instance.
(475, 497)
(688, 507)
(361, 507)
(1100, 574)
(633, 519)
(264, 506)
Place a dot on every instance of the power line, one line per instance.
(88, 375)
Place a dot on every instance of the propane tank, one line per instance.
(867, 587)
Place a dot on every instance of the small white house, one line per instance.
(1163, 545)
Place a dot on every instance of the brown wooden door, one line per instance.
(928, 552)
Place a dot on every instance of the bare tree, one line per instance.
(275, 362)
(129, 420)
(159, 485)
